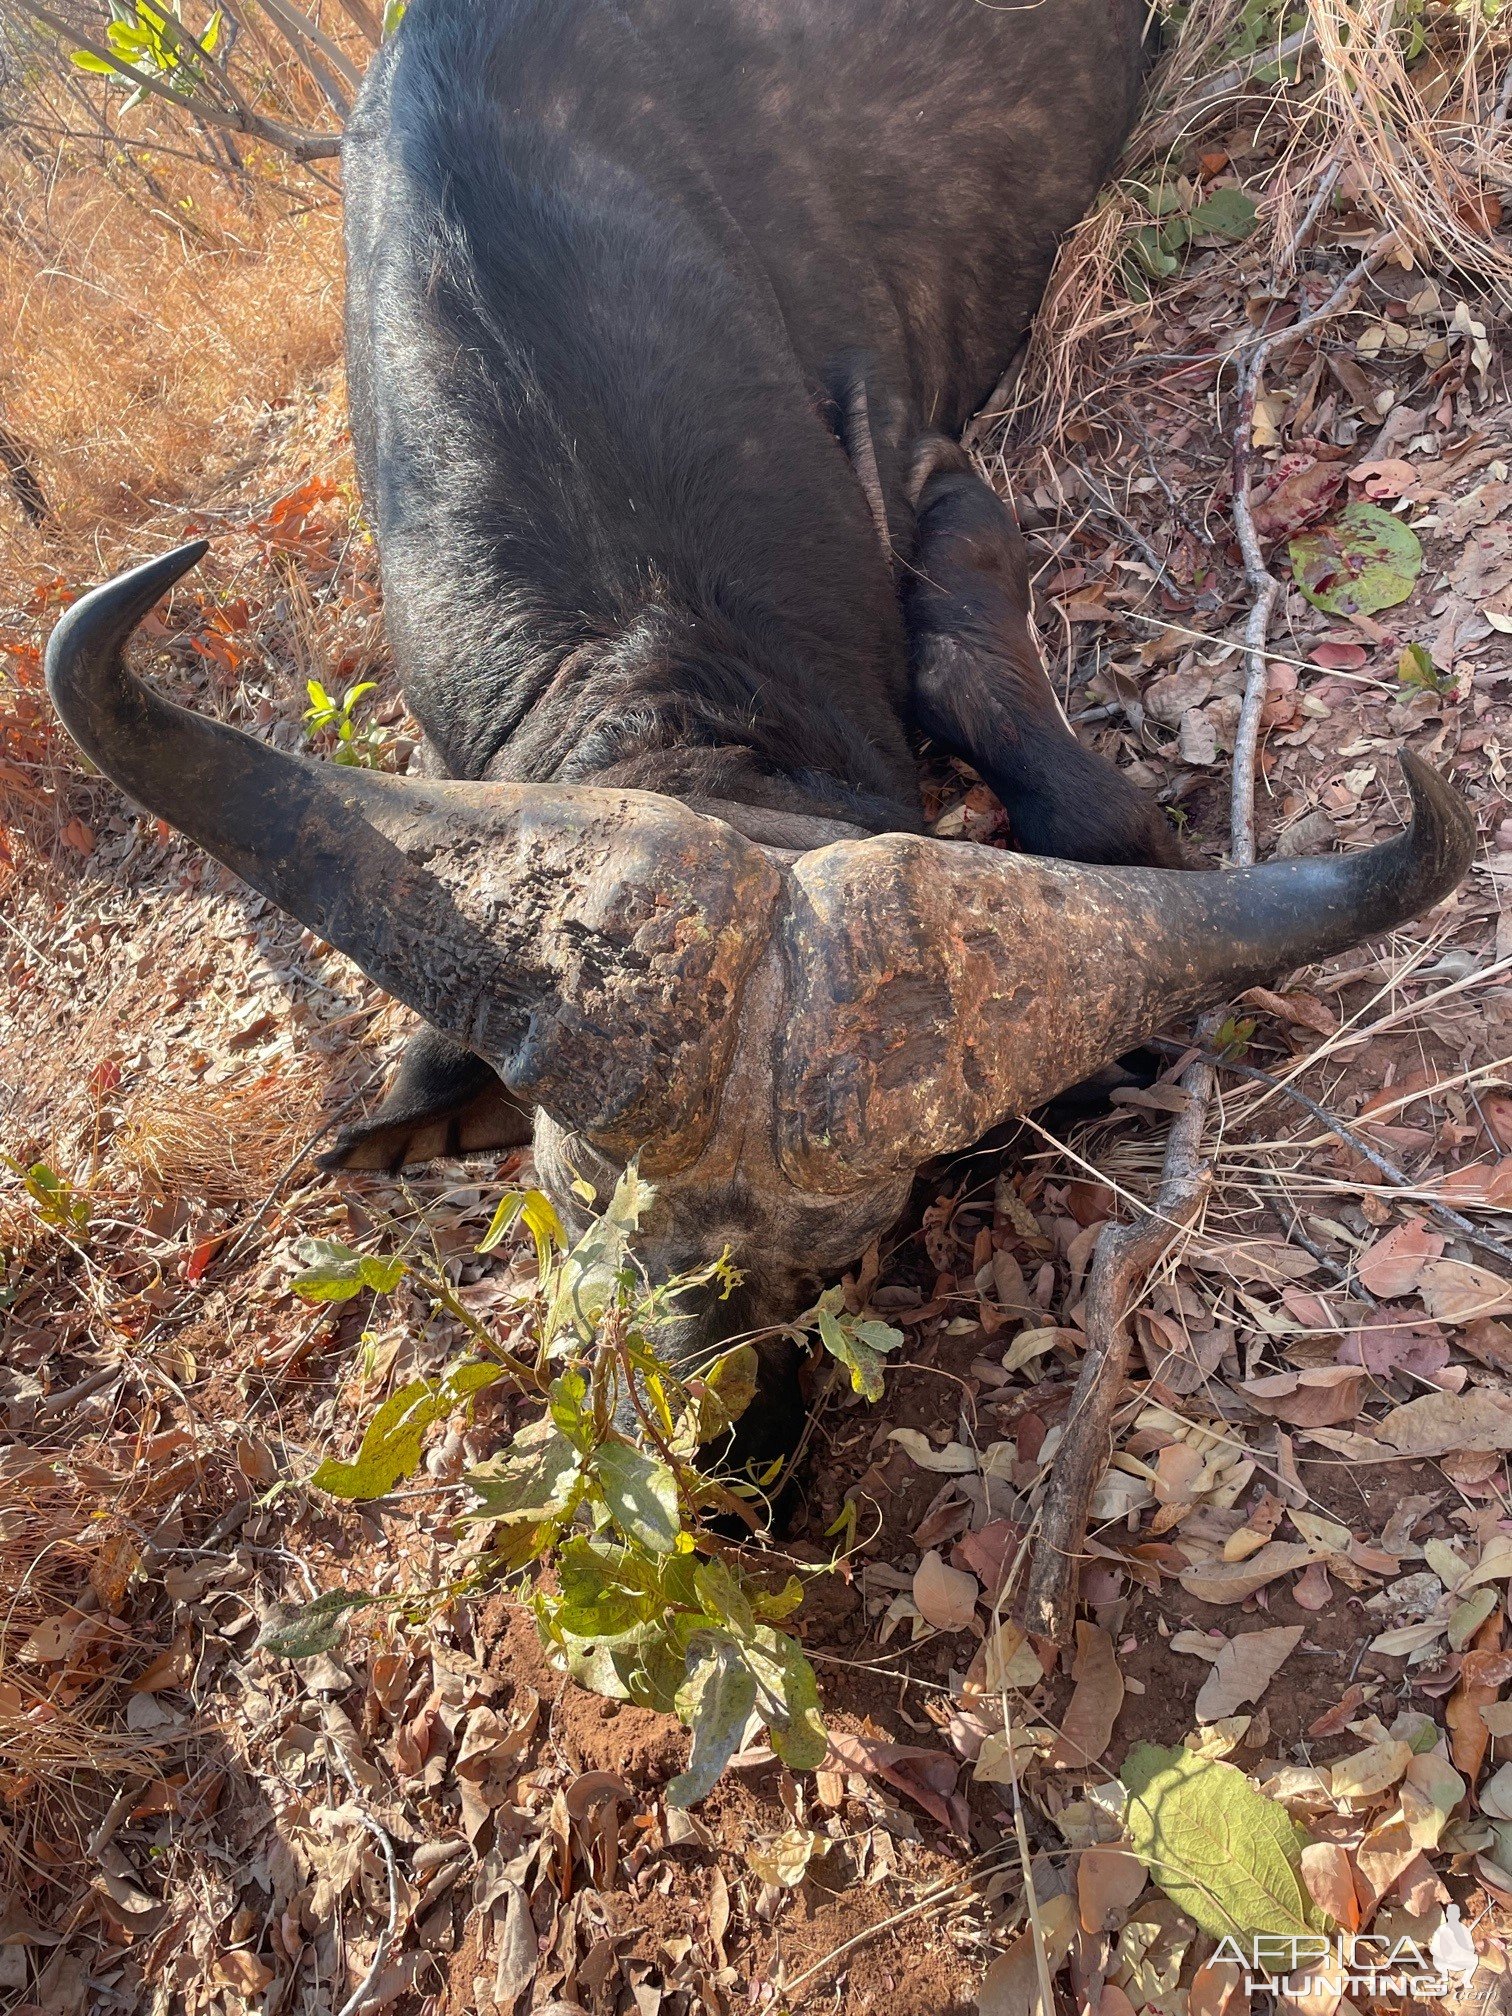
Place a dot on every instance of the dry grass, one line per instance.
(149, 348)
(1422, 148)
(225, 1143)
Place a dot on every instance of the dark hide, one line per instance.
(649, 309)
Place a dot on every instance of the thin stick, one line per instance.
(1125, 1254)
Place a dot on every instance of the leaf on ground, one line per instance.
(1005, 1658)
(1392, 1265)
(1095, 1700)
(312, 1629)
(1225, 213)
(1013, 1985)
(1107, 1882)
(1222, 1852)
(1329, 1878)
(954, 1460)
(946, 1596)
(1319, 1396)
(1244, 1669)
(784, 1860)
(1235, 1581)
(332, 1272)
(1370, 1771)
(1454, 1291)
(1297, 500)
(928, 1777)
(1439, 1424)
(1364, 561)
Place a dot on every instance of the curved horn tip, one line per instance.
(1443, 824)
(107, 615)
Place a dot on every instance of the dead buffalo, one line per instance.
(661, 315)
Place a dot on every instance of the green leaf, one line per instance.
(715, 1702)
(393, 14)
(541, 1221)
(332, 1272)
(641, 1493)
(391, 1447)
(779, 1603)
(790, 1698)
(83, 59)
(1365, 560)
(729, 1387)
(315, 1627)
(1222, 1852)
(722, 1597)
(1150, 253)
(530, 1481)
(591, 1274)
(858, 1346)
(1225, 213)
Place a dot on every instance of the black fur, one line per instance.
(636, 294)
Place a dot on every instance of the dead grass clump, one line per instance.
(71, 1567)
(225, 1143)
(1390, 123)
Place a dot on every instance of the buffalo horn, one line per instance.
(590, 945)
(937, 989)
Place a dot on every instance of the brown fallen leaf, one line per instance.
(1213, 1988)
(1484, 1670)
(1392, 1265)
(1095, 1701)
(1243, 1670)
(1321, 1396)
(1296, 1006)
(1233, 1581)
(1489, 1342)
(928, 1777)
(946, 1597)
(1456, 1292)
(1012, 1986)
(1107, 1882)
(1439, 1423)
(1298, 499)
(1329, 1878)
(171, 1669)
(1312, 1589)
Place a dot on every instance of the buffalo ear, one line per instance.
(442, 1101)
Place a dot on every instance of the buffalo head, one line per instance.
(781, 1038)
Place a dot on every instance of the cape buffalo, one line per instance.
(661, 317)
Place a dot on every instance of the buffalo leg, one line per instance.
(980, 688)
(443, 1101)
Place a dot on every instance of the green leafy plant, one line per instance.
(1179, 215)
(1415, 668)
(151, 38)
(601, 1503)
(59, 1203)
(358, 742)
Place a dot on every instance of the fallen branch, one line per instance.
(1125, 1254)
